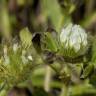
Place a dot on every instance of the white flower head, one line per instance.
(74, 37)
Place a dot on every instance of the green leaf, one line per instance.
(26, 37)
(3, 93)
(87, 71)
(89, 20)
(6, 24)
(50, 42)
(94, 51)
(51, 10)
(83, 90)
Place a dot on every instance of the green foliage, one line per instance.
(6, 24)
(21, 64)
(84, 90)
(87, 71)
(50, 6)
(94, 50)
(26, 37)
(50, 43)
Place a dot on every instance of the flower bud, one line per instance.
(73, 40)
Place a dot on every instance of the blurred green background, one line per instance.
(40, 16)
